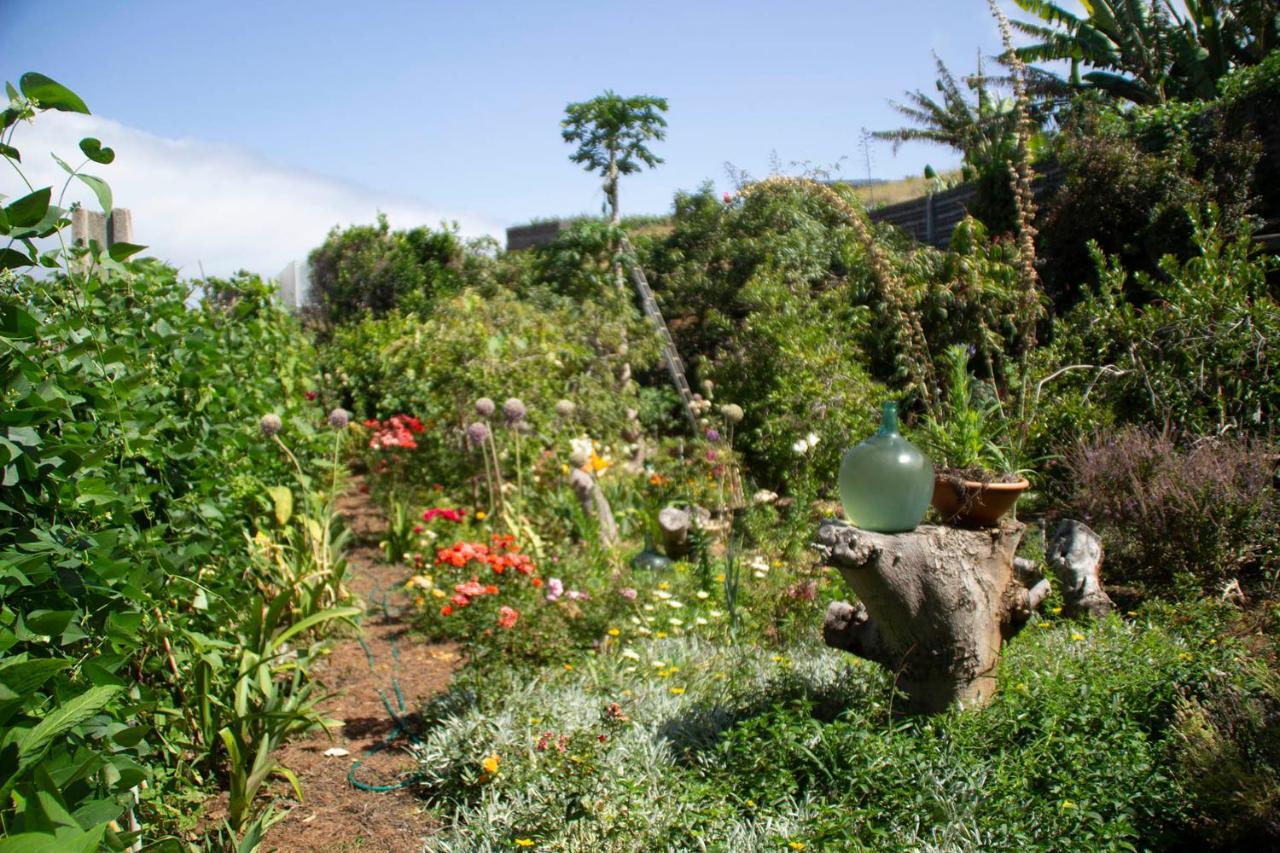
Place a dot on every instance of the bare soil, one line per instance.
(334, 815)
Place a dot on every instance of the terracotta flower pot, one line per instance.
(969, 503)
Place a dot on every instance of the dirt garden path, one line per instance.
(334, 815)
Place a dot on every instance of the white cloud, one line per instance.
(197, 204)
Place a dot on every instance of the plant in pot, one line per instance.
(974, 483)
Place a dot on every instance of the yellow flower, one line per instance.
(1077, 637)
(796, 845)
(597, 463)
(1067, 804)
(613, 632)
(1055, 611)
(661, 635)
(677, 691)
(438, 592)
(664, 585)
(568, 667)
(524, 842)
(481, 515)
(490, 764)
(720, 578)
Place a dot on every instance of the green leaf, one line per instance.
(347, 613)
(12, 259)
(123, 251)
(282, 498)
(11, 152)
(50, 94)
(28, 675)
(93, 149)
(100, 188)
(29, 209)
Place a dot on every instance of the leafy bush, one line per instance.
(1208, 510)
(370, 268)
(497, 345)
(1132, 202)
(1199, 358)
(1226, 748)
(140, 634)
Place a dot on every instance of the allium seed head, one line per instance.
(523, 427)
(732, 413)
(513, 410)
(565, 408)
(478, 432)
(485, 407)
(339, 418)
(270, 424)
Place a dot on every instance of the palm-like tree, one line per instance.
(982, 126)
(1151, 51)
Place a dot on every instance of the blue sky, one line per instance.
(452, 110)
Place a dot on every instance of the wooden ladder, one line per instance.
(669, 352)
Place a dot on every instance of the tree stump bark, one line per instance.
(1075, 553)
(595, 503)
(934, 605)
(674, 524)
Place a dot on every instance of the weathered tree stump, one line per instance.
(1075, 553)
(934, 605)
(595, 503)
(674, 523)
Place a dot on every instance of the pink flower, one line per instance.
(460, 600)
(728, 199)
(629, 594)
(507, 616)
(574, 595)
(555, 589)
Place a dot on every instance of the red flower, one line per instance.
(455, 515)
(537, 582)
(310, 395)
(446, 610)
(507, 616)
(460, 600)
(490, 590)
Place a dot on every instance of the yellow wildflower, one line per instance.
(481, 515)
(613, 632)
(1077, 637)
(677, 691)
(524, 842)
(490, 764)
(796, 845)
(1067, 804)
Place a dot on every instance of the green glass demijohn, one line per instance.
(886, 483)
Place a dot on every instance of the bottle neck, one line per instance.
(889, 419)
